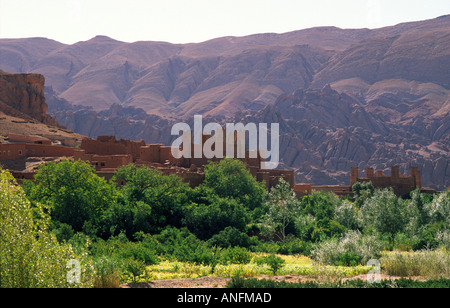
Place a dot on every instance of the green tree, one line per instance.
(346, 215)
(154, 199)
(319, 209)
(75, 193)
(215, 214)
(275, 262)
(283, 207)
(362, 192)
(383, 212)
(30, 256)
(230, 178)
(439, 209)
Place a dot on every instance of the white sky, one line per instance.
(184, 21)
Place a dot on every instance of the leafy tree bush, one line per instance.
(383, 212)
(135, 268)
(236, 255)
(283, 207)
(362, 192)
(207, 220)
(428, 235)
(127, 217)
(230, 178)
(272, 260)
(317, 223)
(439, 209)
(346, 215)
(293, 246)
(351, 249)
(74, 192)
(30, 256)
(232, 237)
(156, 200)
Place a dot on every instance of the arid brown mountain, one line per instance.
(367, 97)
(324, 133)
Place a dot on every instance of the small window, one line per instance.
(20, 152)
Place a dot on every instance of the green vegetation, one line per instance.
(157, 227)
(252, 283)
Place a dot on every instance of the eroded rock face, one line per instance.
(323, 133)
(22, 95)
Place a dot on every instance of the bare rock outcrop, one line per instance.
(22, 95)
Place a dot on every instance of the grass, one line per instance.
(427, 264)
(294, 265)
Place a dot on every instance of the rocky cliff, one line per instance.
(22, 95)
(323, 133)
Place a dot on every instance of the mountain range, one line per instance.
(343, 97)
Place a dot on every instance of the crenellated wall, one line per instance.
(401, 184)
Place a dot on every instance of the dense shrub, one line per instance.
(230, 178)
(30, 256)
(232, 237)
(75, 193)
(272, 260)
(362, 192)
(207, 220)
(236, 255)
(346, 214)
(383, 212)
(351, 249)
(317, 223)
(283, 207)
(156, 200)
(153, 217)
(439, 209)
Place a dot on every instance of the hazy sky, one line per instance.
(183, 21)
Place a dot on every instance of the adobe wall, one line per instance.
(42, 150)
(151, 153)
(338, 190)
(14, 151)
(302, 190)
(28, 139)
(108, 145)
(401, 184)
(275, 175)
(103, 161)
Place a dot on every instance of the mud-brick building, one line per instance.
(107, 153)
(15, 151)
(401, 184)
